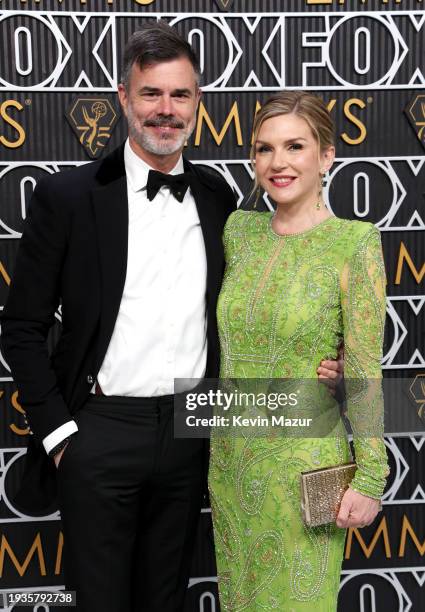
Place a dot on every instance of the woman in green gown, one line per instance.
(297, 283)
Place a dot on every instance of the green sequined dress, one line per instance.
(285, 304)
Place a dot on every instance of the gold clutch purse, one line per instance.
(322, 491)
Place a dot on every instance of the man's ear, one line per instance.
(198, 97)
(123, 97)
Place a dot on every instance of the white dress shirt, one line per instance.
(160, 333)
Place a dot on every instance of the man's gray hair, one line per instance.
(153, 44)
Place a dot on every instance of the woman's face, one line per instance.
(288, 162)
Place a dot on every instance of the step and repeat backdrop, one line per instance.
(59, 69)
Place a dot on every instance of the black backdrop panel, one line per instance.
(56, 56)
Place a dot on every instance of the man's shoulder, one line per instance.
(78, 179)
(210, 176)
(73, 177)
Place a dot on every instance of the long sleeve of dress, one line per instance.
(363, 313)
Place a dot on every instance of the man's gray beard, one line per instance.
(153, 145)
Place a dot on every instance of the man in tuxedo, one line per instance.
(136, 264)
(130, 246)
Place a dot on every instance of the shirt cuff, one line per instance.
(59, 434)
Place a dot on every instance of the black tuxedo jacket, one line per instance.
(73, 252)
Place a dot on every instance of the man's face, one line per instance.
(160, 105)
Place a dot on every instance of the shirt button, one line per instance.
(90, 379)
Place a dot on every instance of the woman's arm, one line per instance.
(363, 312)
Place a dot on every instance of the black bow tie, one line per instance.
(178, 184)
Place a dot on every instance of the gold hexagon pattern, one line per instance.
(415, 112)
(224, 4)
(92, 120)
(417, 391)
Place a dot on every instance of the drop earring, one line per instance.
(257, 196)
(319, 195)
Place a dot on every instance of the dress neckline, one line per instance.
(296, 234)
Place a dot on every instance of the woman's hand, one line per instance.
(357, 510)
(330, 372)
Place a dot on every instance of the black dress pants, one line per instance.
(130, 497)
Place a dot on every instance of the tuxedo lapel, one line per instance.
(110, 205)
(205, 197)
